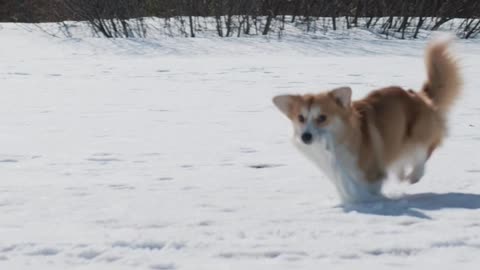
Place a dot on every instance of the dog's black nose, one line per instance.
(307, 138)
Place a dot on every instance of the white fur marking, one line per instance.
(413, 160)
(340, 166)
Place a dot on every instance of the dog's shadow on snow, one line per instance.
(413, 205)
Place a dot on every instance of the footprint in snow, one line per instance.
(8, 161)
(164, 179)
(121, 187)
(163, 266)
(20, 73)
(104, 161)
(247, 150)
(44, 252)
(264, 166)
(150, 245)
(89, 254)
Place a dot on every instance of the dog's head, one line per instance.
(313, 116)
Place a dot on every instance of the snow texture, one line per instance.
(168, 154)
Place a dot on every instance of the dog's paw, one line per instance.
(415, 175)
(414, 180)
(402, 176)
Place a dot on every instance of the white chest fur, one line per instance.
(340, 166)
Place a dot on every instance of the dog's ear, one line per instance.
(285, 103)
(342, 95)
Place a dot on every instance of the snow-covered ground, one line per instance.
(168, 154)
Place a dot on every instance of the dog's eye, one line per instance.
(322, 118)
(301, 119)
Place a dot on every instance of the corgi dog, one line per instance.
(392, 130)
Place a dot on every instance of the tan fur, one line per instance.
(444, 81)
(390, 122)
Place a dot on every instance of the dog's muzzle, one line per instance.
(307, 138)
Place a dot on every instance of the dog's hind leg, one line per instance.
(417, 173)
(419, 160)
